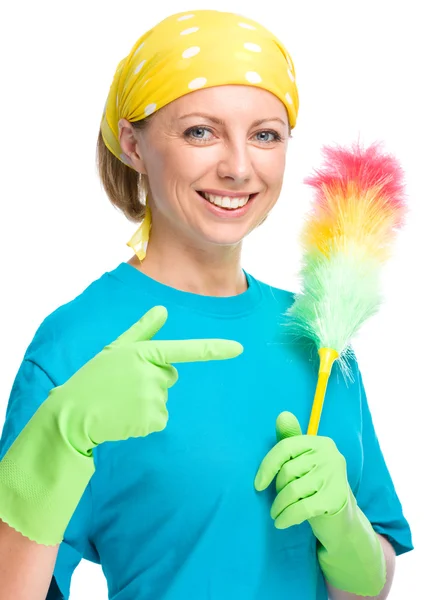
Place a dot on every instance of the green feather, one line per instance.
(341, 291)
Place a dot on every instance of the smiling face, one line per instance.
(215, 162)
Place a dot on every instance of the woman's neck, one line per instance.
(196, 271)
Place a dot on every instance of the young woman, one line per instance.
(196, 498)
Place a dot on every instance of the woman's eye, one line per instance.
(275, 137)
(197, 133)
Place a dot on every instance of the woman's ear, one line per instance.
(130, 146)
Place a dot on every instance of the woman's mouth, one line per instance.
(227, 203)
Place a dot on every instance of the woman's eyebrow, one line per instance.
(221, 122)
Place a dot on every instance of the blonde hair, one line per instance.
(126, 188)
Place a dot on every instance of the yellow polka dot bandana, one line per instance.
(186, 52)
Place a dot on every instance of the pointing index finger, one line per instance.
(181, 351)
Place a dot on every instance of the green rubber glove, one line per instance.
(119, 394)
(312, 485)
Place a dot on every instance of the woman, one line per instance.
(180, 503)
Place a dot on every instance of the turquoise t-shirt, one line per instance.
(175, 516)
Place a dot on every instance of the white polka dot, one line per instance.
(197, 83)
(139, 48)
(184, 17)
(252, 47)
(140, 66)
(149, 109)
(246, 26)
(289, 98)
(290, 74)
(191, 52)
(191, 30)
(252, 77)
(289, 62)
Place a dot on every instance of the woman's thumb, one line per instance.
(287, 426)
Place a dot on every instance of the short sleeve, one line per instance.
(376, 495)
(29, 390)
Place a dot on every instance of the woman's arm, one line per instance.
(389, 553)
(25, 567)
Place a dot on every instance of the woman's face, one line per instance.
(227, 141)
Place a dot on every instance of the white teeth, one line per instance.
(225, 201)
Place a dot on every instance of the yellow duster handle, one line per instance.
(327, 358)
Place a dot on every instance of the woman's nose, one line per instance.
(235, 163)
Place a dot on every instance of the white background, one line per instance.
(361, 71)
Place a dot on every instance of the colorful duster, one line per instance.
(359, 205)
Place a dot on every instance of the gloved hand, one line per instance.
(312, 485)
(119, 394)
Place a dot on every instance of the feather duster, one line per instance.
(358, 206)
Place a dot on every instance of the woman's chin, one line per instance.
(225, 238)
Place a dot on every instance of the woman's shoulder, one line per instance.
(83, 307)
(78, 329)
